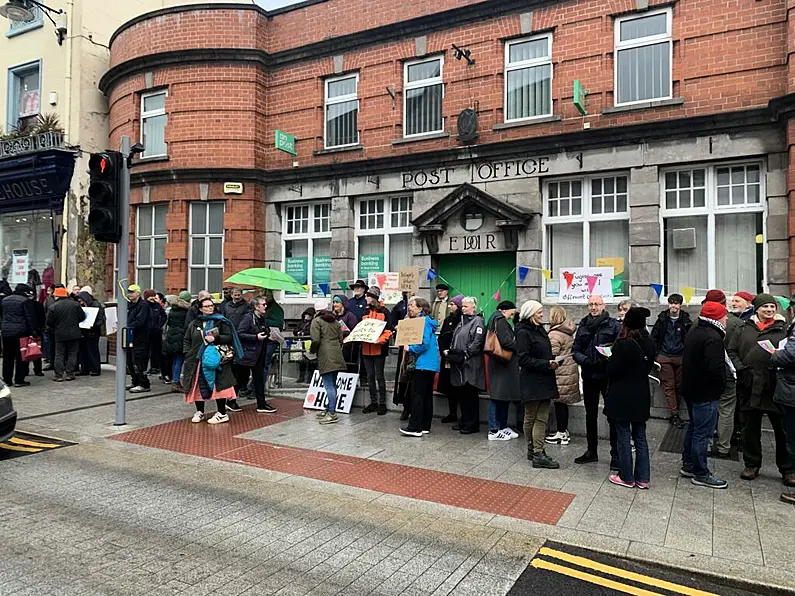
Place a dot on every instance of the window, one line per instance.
(383, 235)
(528, 78)
(587, 220)
(24, 85)
(153, 124)
(206, 267)
(424, 92)
(342, 111)
(150, 251)
(17, 27)
(644, 52)
(307, 245)
(712, 219)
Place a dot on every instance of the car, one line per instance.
(8, 415)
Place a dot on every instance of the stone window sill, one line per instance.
(436, 135)
(528, 122)
(145, 160)
(659, 103)
(333, 150)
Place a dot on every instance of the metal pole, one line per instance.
(122, 263)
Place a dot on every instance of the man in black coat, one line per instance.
(138, 356)
(668, 335)
(19, 320)
(64, 318)
(90, 361)
(598, 329)
(704, 369)
(235, 308)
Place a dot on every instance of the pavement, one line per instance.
(277, 504)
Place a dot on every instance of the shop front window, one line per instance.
(28, 236)
(383, 235)
(307, 246)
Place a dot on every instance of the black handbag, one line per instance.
(456, 356)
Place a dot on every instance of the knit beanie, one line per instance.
(715, 296)
(529, 308)
(185, 296)
(713, 310)
(457, 300)
(761, 300)
(747, 296)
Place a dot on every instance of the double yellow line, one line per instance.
(609, 570)
(18, 444)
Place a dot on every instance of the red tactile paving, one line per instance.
(221, 442)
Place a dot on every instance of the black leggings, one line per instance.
(220, 404)
(562, 417)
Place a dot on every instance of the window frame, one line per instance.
(14, 73)
(619, 45)
(386, 231)
(337, 100)
(711, 209)
(528, 64)
(206, 266)
(36, 23)
(151, 237)
(585, 218)
(152, 114)
(312, 234)
(420, 85)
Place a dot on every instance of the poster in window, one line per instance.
(29, 103)
(369, 264)
(577, 284)
(389, 284)
(321, 270)
(297, 268)
(617, 263)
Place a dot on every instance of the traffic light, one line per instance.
(104, 194)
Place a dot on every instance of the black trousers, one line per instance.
(88, 356)
(752, 440)
(257, 373)
(468, 399)
(219, 403)
(14, 368)
(562, 416)
(421, 390)
(66, 357)
(137, 363)
(591, 389)
(374, 365)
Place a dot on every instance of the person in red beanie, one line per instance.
(741, 305)
(704, 370)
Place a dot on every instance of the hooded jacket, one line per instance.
(381, 347)
(567, 375)
(175, 327)
(138, 321)
(347, 319)
(64, 319)
(234, 311)
(98, 329)
(357, 307)
(592, 332)
(468, 339)
(326, 335)
(19, 318)
(306, 322)
(756, 375)
(427, 352)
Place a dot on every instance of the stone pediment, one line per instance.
(469, 195)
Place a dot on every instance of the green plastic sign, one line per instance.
(370, 264)
(321, 270)
(297, 267)
(285, 142)
(579, 98)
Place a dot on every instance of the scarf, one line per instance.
(208, 362)
(726, 359)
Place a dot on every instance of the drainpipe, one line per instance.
(67, 114)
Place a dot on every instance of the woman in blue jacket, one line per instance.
(423, 364)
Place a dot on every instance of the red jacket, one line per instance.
(379, 348)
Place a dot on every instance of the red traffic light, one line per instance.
(100, 165)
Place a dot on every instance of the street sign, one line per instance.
(233, 188)
(579, 98)
(285, 142)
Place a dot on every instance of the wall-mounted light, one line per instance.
(20, 11)
(463, 54)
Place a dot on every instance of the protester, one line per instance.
(468, 368)
(756, 385)
(358, 304)
(157, 320)
(704, 370)
(441, 305)
(742, 305)
(400, 311)
(19, 320)
(423, 364)
(206, 376)
(537, 380)
(194, 310)
(138, 355)
(39, 330)
(567, 375)
(175, 334)
(326, 335)
(628, 403)
(235, 306)
(88, 354)
(784, 397)
(668, 335)
(622, 309)
(597, 329)
(374, 354)
(226, 294)
(274, 320)
(253, 332)
(306, 366)
(64, 319)
(347, 321)
(444, 385)
(503, 374)
(400, 388)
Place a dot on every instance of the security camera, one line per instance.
(61, 28)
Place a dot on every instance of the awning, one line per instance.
(36, 181)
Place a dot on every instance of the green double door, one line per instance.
(480, 275)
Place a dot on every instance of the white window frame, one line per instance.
(386, 231)
(585, 218)
(313, 233)
(710, 210)
(12, 102)
(336, 100)
(619, 45)
(151, 236)
(152, 114)
(419, 85)
(206, 236)
(528, 64)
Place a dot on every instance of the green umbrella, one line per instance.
(270, 279)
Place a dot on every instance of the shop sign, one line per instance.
(25, 189)
(370, 264)
(296, 267)
(233, 188)
(285, 142)
(488, 171)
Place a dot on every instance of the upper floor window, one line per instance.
(17, 27)
(153, 124)
(24, 84)
(206, 263)
(643, 57)
(150, 252)
(342, 111)
(528, 78)
(424, 92)
(307, 245)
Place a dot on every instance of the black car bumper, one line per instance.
(8, 419)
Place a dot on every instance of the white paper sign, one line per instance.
(91, 317)
(389, 284)
(577, 284)
(317, 399)
(367, 331)
(19, 267)
(111, 320)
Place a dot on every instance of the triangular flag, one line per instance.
(523, 271)
(306, 288)
(324, 288)
(496, 296)
(569, 277)
(547, 274)
(591, 279)
(343, 285)
(381, 280)
(783, 302)
(658, 288)
(687, 293)
(431, 274)
(618, 286)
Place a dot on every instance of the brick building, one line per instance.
(479, 166)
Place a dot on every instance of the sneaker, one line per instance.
(565, 438)
(616, 479)
(449, 418)
(587, 458)
(321, 414)
(266, 409)
(426, 432)
(542, 460)
(23, 384)
(72, 378)
(553, 439)
(709, 482)
(642, 485)
(370, 409)
(749, 473)
(137, 389)
(410, 433)
(218, 418)
(509, 433)
(58, 379)
(233, 406)
(382, 409)
(687, 472)
(787, 498)
(197, 417)
(498, 435)
(329, 418)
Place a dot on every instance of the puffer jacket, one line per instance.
(568, 373)
(427, 352)
(18, 316)
(785, 375)
(175, 327)
(469, 338)
(326, 334)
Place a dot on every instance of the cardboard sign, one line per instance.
(389, 284)
(367, 331)
(409, 280)
(317, 398)
(91, 317)
(577, 284)
(410, 331)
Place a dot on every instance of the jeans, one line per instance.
(591, 389)
(536, 414)
(176, 367)
(700, 428)
(752, 441)
(270, 349)
(421, 390)
(66, 357)
(726, 407)
(330, 385)
(498, 414)
(636, 431)
(374, 365)
(671, 378)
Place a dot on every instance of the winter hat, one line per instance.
(506, 305)
(374, 291)
(762, 299)
(60, 293)
(185, 296)
(747, 296)
(713, 310)
(715, 296)
(87, 289)
(321, 305)
(636, 317)
(530, 308)
(457, 300)
(442, 286)
(359, 283)
(149, 294)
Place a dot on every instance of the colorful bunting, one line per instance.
(547, 274)
(344, 286)
(618, 286)
(658, 288)
(783, 302)
(324, 288)
(496, 296)
(523, 271)
(591, 279)
(431, 274)
(569, 277)
(687, 293)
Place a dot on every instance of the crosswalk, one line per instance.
(28, 443)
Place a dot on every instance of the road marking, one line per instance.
(18, 441)
(636, 577)
(18, 448)
(593, 579)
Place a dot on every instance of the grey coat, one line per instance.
(503, 376)
(469, 337)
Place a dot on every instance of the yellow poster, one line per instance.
(617, 263)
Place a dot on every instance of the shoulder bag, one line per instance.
(494, 349)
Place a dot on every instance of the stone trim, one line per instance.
(658, 103)
(527, 122)
(333, 150)
(429, 137)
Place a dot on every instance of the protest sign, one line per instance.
(577, 284)
(111, 320)
(410, 331)
(317, 398)
(767, 346)
(367, 331)
(389, 284)
(91, 317)
(409, 280)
